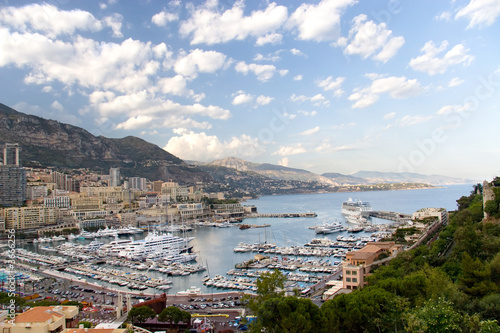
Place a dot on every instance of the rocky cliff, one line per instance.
(51, 143)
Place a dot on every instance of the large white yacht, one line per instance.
(355, 207)
(155, 243)
(329, 228)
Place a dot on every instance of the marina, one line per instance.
(284, 239)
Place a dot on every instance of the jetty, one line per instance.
(282, 215)
(385, 215)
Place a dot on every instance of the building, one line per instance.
(65, 182)
(137, 183)
(114, 177)
(358, 264)
(35, 192)
(440, 213)
(228, 210)
(174, 191)
(12, 185)
(12, 154)
(61, 201)
(29, 217)
(127, 219)
(157, 186)
(43, 319)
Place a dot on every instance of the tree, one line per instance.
(269, 285)
(140, 314)
(289, 314)
(435, 316)
(491, 207)
(174, 315)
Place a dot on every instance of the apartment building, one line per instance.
(29, 217)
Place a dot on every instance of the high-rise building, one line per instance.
(12, 177)
(11, 154)
(114, 174)
(137, 183)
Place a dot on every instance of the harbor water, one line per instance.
(215, 245)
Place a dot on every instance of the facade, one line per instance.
(65, 182)
(43, 319)
(174, 191)
(12, 154)
(229, 210)
(29, 217)
(127, 219)
(61, 201)
(192, 211)
(114, 177)
(82, 202)
(35, 192)
(439, 213)
(357, 264)
(137, 183)
(12, 185)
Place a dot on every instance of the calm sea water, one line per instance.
(215, 245)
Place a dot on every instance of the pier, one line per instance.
(283, 215)
(385, 215)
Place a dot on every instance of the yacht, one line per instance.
(180, 258)
(355, 207)
(329, 228)
(94, 245)
(155, 243)
(113, 248)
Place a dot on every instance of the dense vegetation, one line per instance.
(449, 285)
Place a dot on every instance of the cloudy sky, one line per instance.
(327, 86)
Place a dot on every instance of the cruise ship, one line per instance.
(355, 207)
(155, 243)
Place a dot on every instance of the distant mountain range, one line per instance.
(51, 143)
(335, 179)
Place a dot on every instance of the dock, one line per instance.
(283, 215)
(385, 215)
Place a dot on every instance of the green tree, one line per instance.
(475, 279)
(289, 315)
(434, 316)
(269, 285)
(86, 324)
(491, 207)
(140, 314)
(174, 315)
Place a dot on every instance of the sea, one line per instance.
(214, 246)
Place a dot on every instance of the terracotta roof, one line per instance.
(38, 314)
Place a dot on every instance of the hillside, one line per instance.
(51, 143)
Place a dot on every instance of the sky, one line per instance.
(325, 86)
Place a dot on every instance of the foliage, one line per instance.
(86, 324)
(289, 314)
(140, 314)
(269, 285)
(435, 316)
(174, 315)
(5, 299)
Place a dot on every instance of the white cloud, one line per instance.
(289, 116)
(390, 115)
(343, 125)
(366, 38)
(283, 162)
(408, 120)
(329, 84)
(263, 72)
(457, 108)
(323, 147)
(297, 52)
(51, 21)
(115, 23)
(290, 150)
(162, 18)
(311, 131)
(202, 147)
(444, 16)
(242, 98)
(177, 86)
(319, 22)
(396, 87)
(271, 38)
(199, 61)
(308, 113)
(264, 100)
(430, 63)
(455, 82)
(57, 106)
(297, 77)
(480, 12)
(207, 25)
(275, 56)
(317, 100)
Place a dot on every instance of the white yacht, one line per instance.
(154, 243)
(180, 258)
(329, 228)
(355, 207)
(114, 248)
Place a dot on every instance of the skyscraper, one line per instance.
(12, 177)
(114, 174)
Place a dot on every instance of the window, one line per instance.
(348, 272)
(354, 280)
(354, 273)
(348, 279)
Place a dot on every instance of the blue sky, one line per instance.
(326, 86)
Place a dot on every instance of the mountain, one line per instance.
(271, 171)
(374, 177)
(51, 143)
(341, 179)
